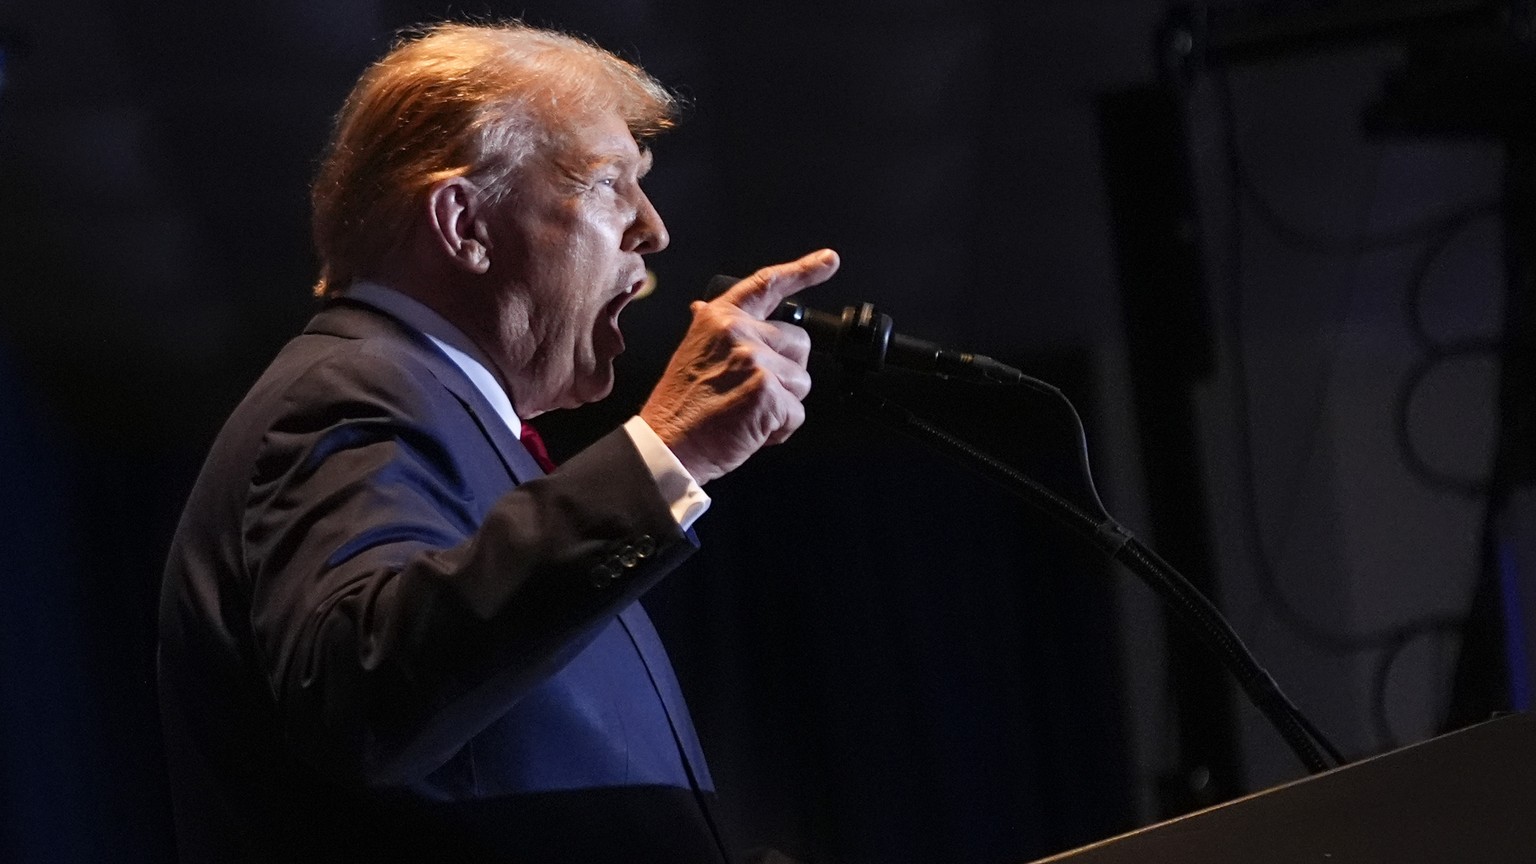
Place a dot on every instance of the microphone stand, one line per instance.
(1096, 525)
(862, 339)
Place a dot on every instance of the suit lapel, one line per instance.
(348, 319)
(637, 625)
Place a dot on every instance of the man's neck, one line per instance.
(448, 338)
(485, 331)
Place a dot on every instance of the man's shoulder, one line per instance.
(322, 377)
(368, 357)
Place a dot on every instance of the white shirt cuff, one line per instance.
(678, 488)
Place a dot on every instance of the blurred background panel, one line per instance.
(1277, 254)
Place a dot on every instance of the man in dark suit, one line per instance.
(385, 633)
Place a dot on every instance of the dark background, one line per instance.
(888, 659)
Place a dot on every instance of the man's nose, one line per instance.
(647, 233)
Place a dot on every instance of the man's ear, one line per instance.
(457, 225)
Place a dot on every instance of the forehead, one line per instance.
(598, 139)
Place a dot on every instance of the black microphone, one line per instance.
(864, 339)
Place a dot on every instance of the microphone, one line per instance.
(865, 340)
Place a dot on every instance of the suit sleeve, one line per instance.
(393, 622)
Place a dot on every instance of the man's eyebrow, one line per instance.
(642, 163)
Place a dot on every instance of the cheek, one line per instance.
(577, 250)
(596, 268)
(574, 263)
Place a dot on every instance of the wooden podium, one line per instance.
(1468, 797)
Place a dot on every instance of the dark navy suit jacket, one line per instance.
(386, 635)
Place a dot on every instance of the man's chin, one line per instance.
(591, 388)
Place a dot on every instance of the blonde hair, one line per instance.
(459, 100)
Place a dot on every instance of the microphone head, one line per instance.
(858, 337)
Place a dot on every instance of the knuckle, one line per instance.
(741, 328)
(761, 385)
(727, 320)
(799, 338)
(788, 339)
(799, 383)
(770, 275)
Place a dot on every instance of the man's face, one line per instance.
(569, 244)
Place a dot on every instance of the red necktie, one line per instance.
(534, 444)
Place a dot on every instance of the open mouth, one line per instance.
(616, 305)
(636, 289)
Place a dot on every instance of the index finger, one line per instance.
(759, 294)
